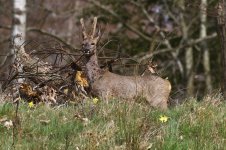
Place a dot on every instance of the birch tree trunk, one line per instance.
(19, 31)
(19, 21)
(203, 34)
(18, 26)
(17, 37)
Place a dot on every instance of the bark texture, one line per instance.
(221, 17)
(206, 55)
(17, 37)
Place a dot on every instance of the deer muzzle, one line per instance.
(86, 51)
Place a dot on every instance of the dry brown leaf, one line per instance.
(44, 122)
(152, 67)
(49, 94)
(27, 91)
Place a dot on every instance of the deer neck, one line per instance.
(93, 70)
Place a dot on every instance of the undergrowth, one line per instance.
(115, 125)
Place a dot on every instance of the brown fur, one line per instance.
(105, 84)
(153, 88)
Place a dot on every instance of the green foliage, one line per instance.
(117, 125)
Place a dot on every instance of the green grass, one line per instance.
(116, 125)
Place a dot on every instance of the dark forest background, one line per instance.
(180, 36)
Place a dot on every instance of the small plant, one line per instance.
(163, 118)
(31, 105)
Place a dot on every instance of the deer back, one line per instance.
(153, 88)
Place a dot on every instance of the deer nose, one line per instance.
(86, 51)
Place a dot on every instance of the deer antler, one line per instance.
(83, 28)
(94, 27)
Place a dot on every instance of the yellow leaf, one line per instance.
(81, 80)
(84, 83)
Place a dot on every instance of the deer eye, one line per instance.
(92, 43)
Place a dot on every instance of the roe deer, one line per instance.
(105, 84)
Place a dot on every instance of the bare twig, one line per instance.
(190, 43)
(53, 36)
(131, 28)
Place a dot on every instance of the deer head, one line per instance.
(89, 40)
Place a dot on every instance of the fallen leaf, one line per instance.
(44, 122)
(65, 91)
(82, 81)
(8, 124)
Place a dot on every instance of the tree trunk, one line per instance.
(203, 34)
(189, 60)
(18, 30)
(189, 71)
(17, 36)
(221, 26)
(19, 21)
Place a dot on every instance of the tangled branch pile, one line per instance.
(32, 78)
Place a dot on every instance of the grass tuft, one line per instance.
(116, 125)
